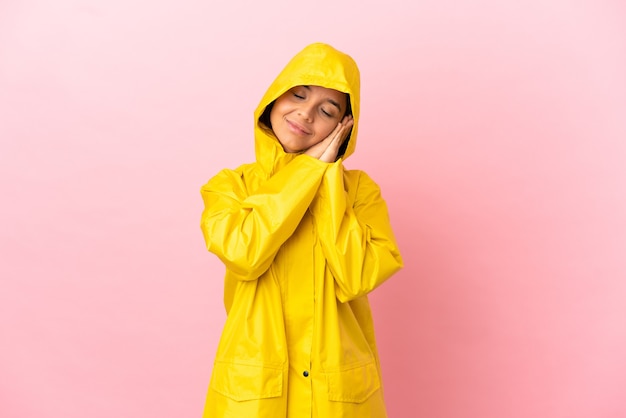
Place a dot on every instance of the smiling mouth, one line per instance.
(296, 128)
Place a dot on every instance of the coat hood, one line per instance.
(317, 64)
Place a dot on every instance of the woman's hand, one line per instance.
(327, 149)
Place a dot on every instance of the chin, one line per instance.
(292, 148)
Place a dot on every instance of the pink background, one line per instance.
(497, 130)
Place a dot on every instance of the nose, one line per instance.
(306, 111)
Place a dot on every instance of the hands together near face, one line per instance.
(327, 149)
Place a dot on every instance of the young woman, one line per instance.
(304, 240)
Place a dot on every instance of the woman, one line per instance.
(303, 241)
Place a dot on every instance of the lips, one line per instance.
(297, 128)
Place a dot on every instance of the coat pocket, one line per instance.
(354, 385)
(244, 382)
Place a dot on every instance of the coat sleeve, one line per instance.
(357, 239)
(245, 229)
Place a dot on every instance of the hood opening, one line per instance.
(265, 124)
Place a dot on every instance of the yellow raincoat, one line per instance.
(303, 242)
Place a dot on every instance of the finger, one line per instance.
(338, 134)
(337, 129)
(346, 129)
(335, 135)
(340, 137)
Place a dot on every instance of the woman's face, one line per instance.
(305, 115)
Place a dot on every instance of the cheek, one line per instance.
(326, 129)
(275, 114)
(278, 108)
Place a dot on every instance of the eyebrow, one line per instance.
(331, 101)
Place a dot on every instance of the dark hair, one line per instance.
(266, 124)
(264, 119)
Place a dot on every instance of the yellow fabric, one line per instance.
(303, 242)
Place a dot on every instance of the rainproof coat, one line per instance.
(303, 242)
